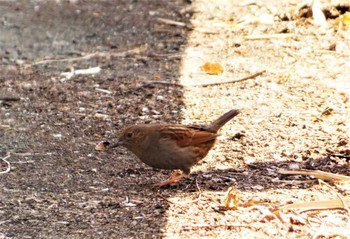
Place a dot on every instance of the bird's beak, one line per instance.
(117, 144)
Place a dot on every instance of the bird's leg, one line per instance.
(174, 177)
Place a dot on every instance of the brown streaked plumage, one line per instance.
(172, 146)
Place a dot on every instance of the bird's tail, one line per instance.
(222, 120)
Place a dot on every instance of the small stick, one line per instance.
(262, 37)
(199, 192)
(86, 57)
(91, 55)
(9, 98)
(169, 55)
(340, 156)
(332, 52)
(229, 226)
(165, 199)
(172, 22)
(8, 164)
(204, 84)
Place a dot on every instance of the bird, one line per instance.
(172, 146)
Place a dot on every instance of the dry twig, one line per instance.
(9, 98)
(165, 199)
(172, 22)
(147, 83)
(208, 226)
(271, 36)
(136, 50)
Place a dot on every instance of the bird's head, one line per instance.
(133, 138)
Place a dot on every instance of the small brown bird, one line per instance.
(172, 146)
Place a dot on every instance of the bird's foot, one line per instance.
(174, 177)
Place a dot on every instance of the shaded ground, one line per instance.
(60, 187)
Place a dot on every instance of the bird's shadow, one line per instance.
(257, 176)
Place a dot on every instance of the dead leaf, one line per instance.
(292, 218)
(343, 20)
(232, 199)
(267, 218)
(102, 146)
(212, 68)
(346, 19)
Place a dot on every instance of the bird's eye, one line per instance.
(129, 135)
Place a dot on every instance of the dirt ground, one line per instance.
(294, 116)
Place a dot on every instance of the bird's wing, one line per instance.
(187, 135)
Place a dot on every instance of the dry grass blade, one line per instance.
(172, 22)
(317, 174)
(318, 15)
(320, 205)
(345, 205)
